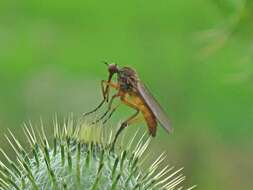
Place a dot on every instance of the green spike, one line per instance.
(115, 182)
(55, 146)
(115, 167)
(131, 174)
(62, 155)
(78, 152)
(30, 175)
(87, 161)
(134, 164)
(150, 184)
(99, 172)
(12, 164)
(193, 187)
(6, 171)
(19, 151)
(36, 155)
(4, 184)
(136, 186)
(122, 159)
(12, 183)
(65, 186)
(52, 175)
(56, 127)
(101, 160)
(91, 151)
(28, 135)
(46, 154)
(130, 160)
(69, 158)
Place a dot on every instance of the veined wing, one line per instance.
(155, 107)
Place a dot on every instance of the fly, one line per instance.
(133, 93)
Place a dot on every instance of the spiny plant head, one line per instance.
(79, 157)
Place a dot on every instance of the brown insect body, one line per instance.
(128, 83)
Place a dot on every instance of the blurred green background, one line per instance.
(195, 56)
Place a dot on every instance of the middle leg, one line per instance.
(105, 92)
(108, 109)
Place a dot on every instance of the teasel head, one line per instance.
(79, 157)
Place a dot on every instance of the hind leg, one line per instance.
(129, 121)
(123, 126)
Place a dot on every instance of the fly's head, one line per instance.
(112, 69)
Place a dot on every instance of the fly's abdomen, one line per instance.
(150, 120)
(147, 114)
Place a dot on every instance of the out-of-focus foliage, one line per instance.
(195, 56)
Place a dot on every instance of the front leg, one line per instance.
(105, 86)
(105, 93)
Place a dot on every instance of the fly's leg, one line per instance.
(122, 127)
(127, 122)
(105, 94)
(100, 105)
(108, 109)
(112, 112)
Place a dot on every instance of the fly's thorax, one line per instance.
(124, 84)
(127, 79)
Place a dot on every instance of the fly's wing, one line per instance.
(155, 107)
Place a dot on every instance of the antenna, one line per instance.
(105, 62)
